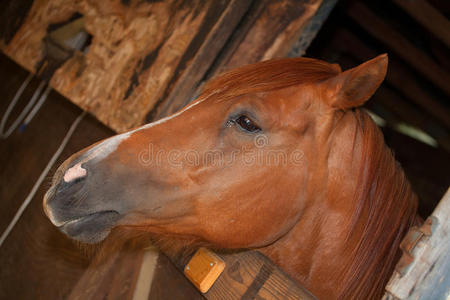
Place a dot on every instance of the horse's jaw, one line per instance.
(92, 228)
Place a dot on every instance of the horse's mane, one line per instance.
(269, 75)
(387, 207)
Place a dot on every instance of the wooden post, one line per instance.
(426, 274)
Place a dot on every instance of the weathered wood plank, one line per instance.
(427, 276)
(27, 46)
(270, 29)
(312, 27)
(186, 85)
(251, 275)
(140, 52)
(429, 17)
(146, 274)
(170, 283)
(113, 277)
(389, 36)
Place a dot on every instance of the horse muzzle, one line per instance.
(67, 206)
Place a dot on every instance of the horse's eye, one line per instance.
(247, 124)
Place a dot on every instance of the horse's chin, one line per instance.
(92, 228)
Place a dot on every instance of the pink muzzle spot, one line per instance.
(75, 172)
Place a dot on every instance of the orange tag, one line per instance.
(203, 269)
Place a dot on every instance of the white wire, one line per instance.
(4, 134)
(41, 178)
(13, 103)
(38, 105)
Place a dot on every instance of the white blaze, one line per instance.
(105, 148)
(75, 172)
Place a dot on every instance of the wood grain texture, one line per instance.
(27, 46)
(427, 276)
(146, 274)
(170, 283)
(270, 30)
(251, 275)
(140, 51)
(184, 91)
(146, 59)
(312, 27)
(114, 277)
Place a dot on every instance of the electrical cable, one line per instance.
(41, 178)
(5, 133)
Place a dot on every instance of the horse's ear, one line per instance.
(355, 86)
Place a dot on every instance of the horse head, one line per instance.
(256, 157)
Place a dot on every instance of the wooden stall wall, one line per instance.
(145, 59)
(138, 51)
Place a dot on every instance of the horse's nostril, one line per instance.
(75, 172)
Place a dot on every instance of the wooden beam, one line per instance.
(270, 29)
(397, 76)
(251, 275)
(186, 85)
(395, 40)
(169, 283)
(312, 28)
(429, 17)
(142, 53)
(247, 275)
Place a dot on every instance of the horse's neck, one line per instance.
(314, 251)
(321, 250)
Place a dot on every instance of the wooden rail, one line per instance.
(251, 275)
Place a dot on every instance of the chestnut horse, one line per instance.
(274, 156)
